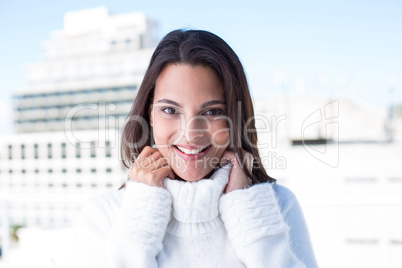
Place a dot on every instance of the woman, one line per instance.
(197, 194)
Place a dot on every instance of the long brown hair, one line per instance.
(197, 47)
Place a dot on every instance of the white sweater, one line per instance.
(192, 224)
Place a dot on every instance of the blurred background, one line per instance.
(325, 78)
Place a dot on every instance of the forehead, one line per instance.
(188, 83)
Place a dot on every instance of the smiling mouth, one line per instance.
(192, 151)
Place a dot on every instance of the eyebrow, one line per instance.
(206, 104)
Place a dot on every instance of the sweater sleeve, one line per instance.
(133, 238)
(258, 231)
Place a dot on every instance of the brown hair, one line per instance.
(196, 47)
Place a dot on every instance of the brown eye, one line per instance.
(214, 112)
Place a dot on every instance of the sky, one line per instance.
(337, 48)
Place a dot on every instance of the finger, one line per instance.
(171, 175)
(164, 172)
(227, 157)
(231, 156)
(161, 162)
(147, 151)
(149, 161)
(145, 164)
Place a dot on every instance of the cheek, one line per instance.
(164, 130)
(220, 134)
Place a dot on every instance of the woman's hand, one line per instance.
(150, 168)
(237, 178)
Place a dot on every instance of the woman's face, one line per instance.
(189, 121)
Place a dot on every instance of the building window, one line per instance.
(49, 150)
(64, 170)
(78, 170)
(360, 241)
(141, 41)
(10, 171)
(395, 179)
(63, 150)
(93, 149)
(79, 185)
(10, 151)
(93, 185)
(109, 185)
(77, 150)
(22, 151)
(108, 152)
(108, 170)
(23, 171)
(361, 180)
(395, 242)
(36, 170)
(36, 154)
(64, 185)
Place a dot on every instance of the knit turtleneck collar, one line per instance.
(195, 204)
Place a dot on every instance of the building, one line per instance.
(335, 155)
(68, 117)
(97, 57)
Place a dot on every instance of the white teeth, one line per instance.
(188, 151)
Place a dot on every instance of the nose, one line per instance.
(195, 128)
